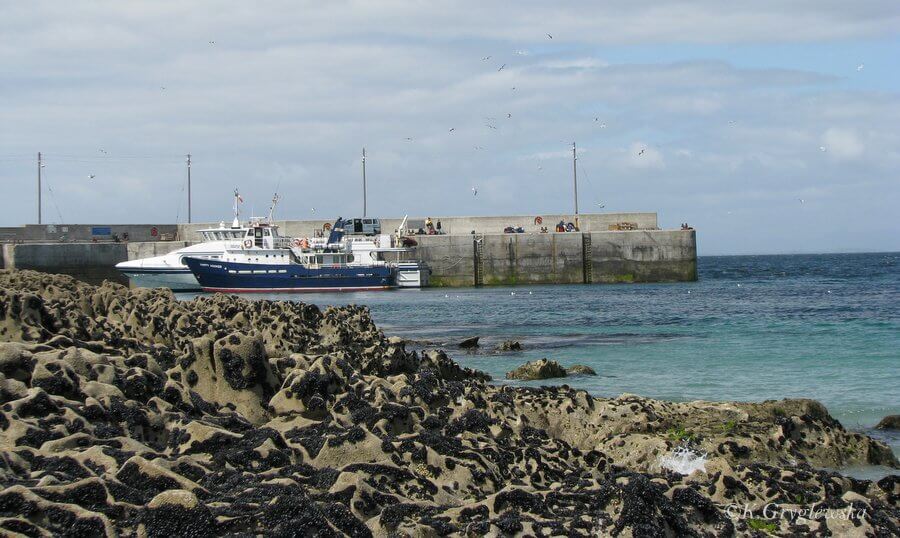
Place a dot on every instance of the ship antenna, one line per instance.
(272, 208)
(237, 211)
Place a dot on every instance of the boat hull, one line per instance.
(176, 279)
(412, 275)
(234, 277)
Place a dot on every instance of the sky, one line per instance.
(771, 127)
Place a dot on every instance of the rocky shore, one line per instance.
(127, 412)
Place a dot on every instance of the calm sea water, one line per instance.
(752, 328)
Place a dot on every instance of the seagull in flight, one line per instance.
(641, 152)
(550, 36)
(802, 201)
(451, 129)
(92, 176)
(162, 88)
(486, 58)
(477, 147)
(408, 139)
(212, 42)
(501, 68)
(601, 205)
(312, 210)
(104, 151)
(508, 115)
(513, 88)
(491, 126)
(822, 149)
(860, 67)
(474, 191)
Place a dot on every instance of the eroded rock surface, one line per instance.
(126, 412)
(890, 422)
(507, 346)
(535, 370)
(580, 369)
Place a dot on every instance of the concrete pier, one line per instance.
(90, 262)
(487, 257)
(560, 258)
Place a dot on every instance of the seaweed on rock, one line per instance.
(127, 412)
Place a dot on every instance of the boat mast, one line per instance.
(189, 186)
(364, 181)
(237, 212)
(272, 208)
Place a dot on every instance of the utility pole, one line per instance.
(40, 165)
(575, 179)
(189, 186)
(364, 181)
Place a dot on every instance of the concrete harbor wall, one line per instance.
(88, 261)
(598, 222)
(461, 258)
(87, 232)
(560, 258)
(641, 256)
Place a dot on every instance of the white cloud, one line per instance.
(842, 143)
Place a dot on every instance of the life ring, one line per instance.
(248, 243)
(538, 220)
(295, 242)
(326, 226)
(304, 243)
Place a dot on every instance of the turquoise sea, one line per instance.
(752, 328)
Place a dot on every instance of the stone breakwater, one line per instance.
(127, 412)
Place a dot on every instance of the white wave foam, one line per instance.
(683, 461)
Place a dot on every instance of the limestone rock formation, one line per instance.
(509, 345)
(580, 369)
(890, 422)
(534, 370)
(129, 413)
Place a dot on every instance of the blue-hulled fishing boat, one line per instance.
(268, 262)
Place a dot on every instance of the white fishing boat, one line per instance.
(383, 249)
(170, 270)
